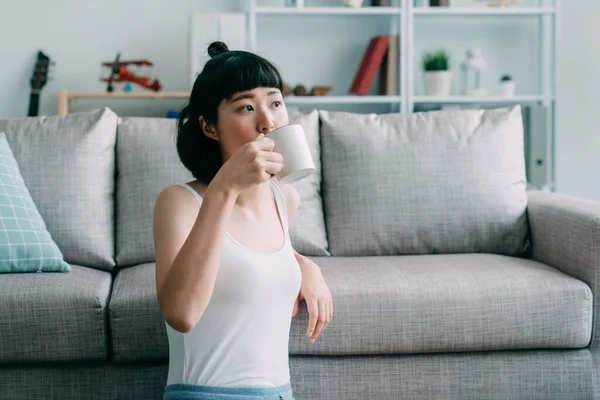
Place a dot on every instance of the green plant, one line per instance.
(436, 61)
(506, 78)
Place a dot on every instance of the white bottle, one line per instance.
(353, 3)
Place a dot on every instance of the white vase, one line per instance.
(352, 3)
(437, 83)
(508, 88)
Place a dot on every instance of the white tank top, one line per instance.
(242, 339)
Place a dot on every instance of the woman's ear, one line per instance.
(209, 130)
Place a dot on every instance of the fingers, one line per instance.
(296, 308)
(271, 156)
(319, 316)
(264, 143)
(273, 168)
(322, 321)
(265, 158)
(313, 316)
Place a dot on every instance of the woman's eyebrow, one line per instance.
(241, 97)
(251, 95)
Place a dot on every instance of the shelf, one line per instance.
(296, 100)
(130, 95)
(492, 11)
(479, 99)
(348, 11)
(65, 96)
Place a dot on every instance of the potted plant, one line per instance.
(508, 85)
(353, 3)
(436, 66)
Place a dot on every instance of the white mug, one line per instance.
(290, 142)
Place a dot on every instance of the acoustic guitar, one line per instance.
(39, 78)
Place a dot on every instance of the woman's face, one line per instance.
(248, 114)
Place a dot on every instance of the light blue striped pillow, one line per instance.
(25, 243)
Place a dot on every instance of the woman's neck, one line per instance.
(253, 198)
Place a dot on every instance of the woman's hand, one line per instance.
(318, 299)
(250, 165)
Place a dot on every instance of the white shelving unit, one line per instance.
(328, 10)
(513, 11)
(402, 19)
(518, 99)
(295, 100)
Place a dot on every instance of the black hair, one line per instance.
(225, 74)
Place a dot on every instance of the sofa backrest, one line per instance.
(147, 162)
(424, 183)
(388, 184)
(68, 165)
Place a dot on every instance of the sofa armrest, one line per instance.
(565, 234)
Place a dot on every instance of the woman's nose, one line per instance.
(266, 124)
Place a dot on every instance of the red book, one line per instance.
(370, 65)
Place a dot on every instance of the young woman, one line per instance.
(228, 280)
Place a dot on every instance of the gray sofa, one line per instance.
(450, 280)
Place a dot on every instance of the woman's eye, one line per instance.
(247, 108)
(277, 104)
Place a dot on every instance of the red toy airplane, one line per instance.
(119, 73)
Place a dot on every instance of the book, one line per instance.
(370, 65)
(380, 3)
(390, 68)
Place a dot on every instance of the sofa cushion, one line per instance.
(424, 183)
(307, 231)
(447, 303)
(398, 304)
(67, 163)
(137, 327)
(148, 162)
(54, 317)
(26, 244)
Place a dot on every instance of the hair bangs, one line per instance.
(247, 72)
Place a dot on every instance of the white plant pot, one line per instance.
(437, 83)
(353, 3)
(508, 88)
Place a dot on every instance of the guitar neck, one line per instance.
(34, 103)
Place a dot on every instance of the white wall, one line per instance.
(79, 35)
(578, 90)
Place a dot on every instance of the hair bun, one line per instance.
(216, 48)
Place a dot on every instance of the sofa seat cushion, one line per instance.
(54, 317)
(398, 304)
(137, 326)
(447, 303)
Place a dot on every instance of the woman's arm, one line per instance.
(314, 290)
(188, 242)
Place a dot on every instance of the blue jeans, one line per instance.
(198, 392)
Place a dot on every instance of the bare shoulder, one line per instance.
(175, 213)
(171, 198)
(176, 197)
